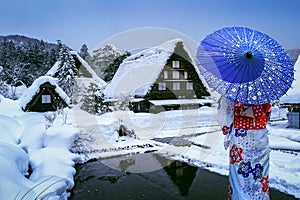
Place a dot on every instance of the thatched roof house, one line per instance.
(44, 95)
(164, 72)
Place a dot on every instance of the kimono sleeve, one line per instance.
(225, 114)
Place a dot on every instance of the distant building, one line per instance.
(159, 78)
(292, 99)
(85, 76)
(44, 95)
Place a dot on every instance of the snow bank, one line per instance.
(14, 166)
(9, 129)
(24, 142)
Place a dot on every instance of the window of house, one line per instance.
(162, 86)
(165, 74)
(175, 64)
(186, 75)
(176, 86)
(189, 86)
(46, 98)
(175, 74)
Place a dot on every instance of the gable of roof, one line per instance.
(85, 70)
(138, 72)
(34, 89)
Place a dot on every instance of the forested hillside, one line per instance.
(24, 59)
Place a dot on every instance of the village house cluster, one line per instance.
(161, 78)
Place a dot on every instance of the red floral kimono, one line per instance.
(246, 136)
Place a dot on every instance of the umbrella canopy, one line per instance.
(245, 65)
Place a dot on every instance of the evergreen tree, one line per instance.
(3, 85)
(93, 100)
(66, 70)
(103, 57)
(84, 52)
(101, 107)
(111, 70)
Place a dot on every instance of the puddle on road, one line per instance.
(149, 176)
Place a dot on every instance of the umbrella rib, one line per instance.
(224, 48)
(226, 38)
(204, 42)
(272, 89)
(230, 86)
(238, 35)
(247, 93)
(280, 64)
(281, 79)
(243, 64)
(217, 66)
(213, 38)
(258, 41)
(257, 67)
(283, 74)
(231, 37)
(281, 71)
(252, 38)
(239, 88)
(262, 44)
(255, 88)
(265, 91)
(256, 64)
(276, 83)
(246, 36)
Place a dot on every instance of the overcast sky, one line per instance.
(76, 22)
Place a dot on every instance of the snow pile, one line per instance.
(36, 163)
(293, 94)
(35, 88)
(99, 136)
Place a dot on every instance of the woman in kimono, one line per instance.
(246, 136)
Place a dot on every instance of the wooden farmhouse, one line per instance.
(159, 78)
(84, 70)
(85, 76)
(44, 95)
(292, 99)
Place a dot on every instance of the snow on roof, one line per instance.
(54, 68)
(293, 94)
(89, 69)
(35, 88)
(138, 72)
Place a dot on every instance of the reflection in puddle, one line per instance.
(149, 176)
(130, 177)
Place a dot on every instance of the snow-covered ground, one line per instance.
(193, 136)
(26, 139)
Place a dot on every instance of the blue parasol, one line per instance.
(245, 65)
